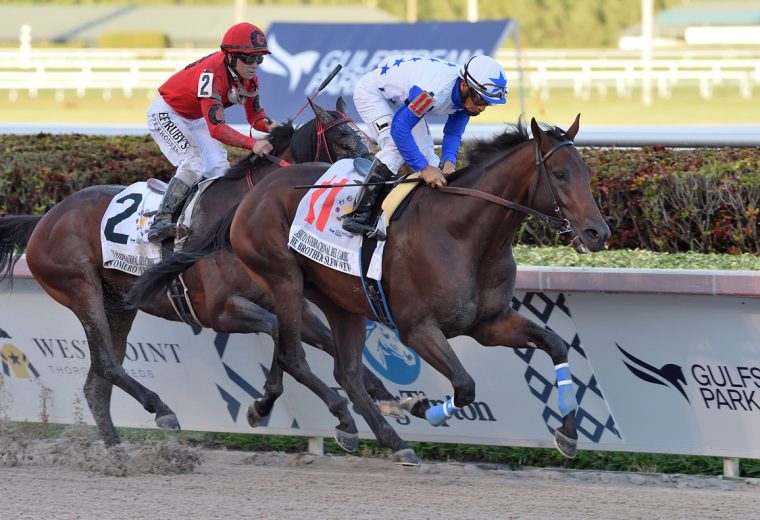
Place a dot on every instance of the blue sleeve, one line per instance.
(452, 136)
(401, 131)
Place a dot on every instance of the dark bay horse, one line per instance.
(64, 254)
(471, 224)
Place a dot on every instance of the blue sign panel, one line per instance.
(303, 55)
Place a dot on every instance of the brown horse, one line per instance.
(471, 224)
(64, 254)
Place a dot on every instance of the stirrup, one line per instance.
(364, 229)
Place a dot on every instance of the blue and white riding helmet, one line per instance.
(485, 76)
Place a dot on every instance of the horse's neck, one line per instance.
(304, 141)
(490, 225)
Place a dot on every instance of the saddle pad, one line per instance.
(397, 196)
(124, 230)
(317, 232)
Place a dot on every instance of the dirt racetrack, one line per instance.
(67, 480)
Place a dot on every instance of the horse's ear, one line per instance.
(320, 112)
(538, 134)
(573, 130)
(340, 105)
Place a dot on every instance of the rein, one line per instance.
(558, 221)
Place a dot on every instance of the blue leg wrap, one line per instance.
(567, 401)
(438, 414)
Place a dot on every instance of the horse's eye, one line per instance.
(560, 174)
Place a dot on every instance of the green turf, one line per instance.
(684, 108)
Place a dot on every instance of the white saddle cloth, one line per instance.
(317, 232)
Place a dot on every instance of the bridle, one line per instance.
(559, 221)
(322, 130)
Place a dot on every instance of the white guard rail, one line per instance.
(584, 71)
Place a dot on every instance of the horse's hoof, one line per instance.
(348, 441)
(254, 418)
(417, 406)
(391, 409)
(565, 445)
(168, 422)
(406, 457)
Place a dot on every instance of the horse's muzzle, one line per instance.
(591, 239)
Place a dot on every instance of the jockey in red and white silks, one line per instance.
(187, 118)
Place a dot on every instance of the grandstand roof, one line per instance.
(186, 26)
(710, 13)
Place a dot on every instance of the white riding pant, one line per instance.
(377, 112)
(187, 143)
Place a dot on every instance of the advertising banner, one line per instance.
(304, 54)
(652, 372)
(655, 373)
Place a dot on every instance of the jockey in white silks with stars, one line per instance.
(394, 99)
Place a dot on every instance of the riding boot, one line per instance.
(358, 221)
(163, 225)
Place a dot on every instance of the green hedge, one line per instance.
(659, 199)
(673, 200)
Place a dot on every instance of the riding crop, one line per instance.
(327, 80)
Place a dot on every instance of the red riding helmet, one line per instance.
(245, 38)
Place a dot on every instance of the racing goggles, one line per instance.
(477, 99)
(249, 59)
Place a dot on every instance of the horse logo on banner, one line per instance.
(392, 359)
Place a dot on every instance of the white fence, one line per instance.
(584, 71)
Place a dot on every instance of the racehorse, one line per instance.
(63, 252)
(471, 223)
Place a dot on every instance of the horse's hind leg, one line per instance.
(97, 390)
(516, 331)
(106, 326)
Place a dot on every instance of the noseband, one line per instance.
(559, 221)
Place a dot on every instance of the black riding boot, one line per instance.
(163, 225)
(358, 221)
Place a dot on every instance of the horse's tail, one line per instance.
(14, 235)
(158, 277)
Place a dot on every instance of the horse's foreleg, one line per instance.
(349, 332)
(241, 315)
(316, 334)
(288, 297)
(431, 344)
(516, 331)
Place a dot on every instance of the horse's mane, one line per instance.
(280, 137)
(514, 135)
